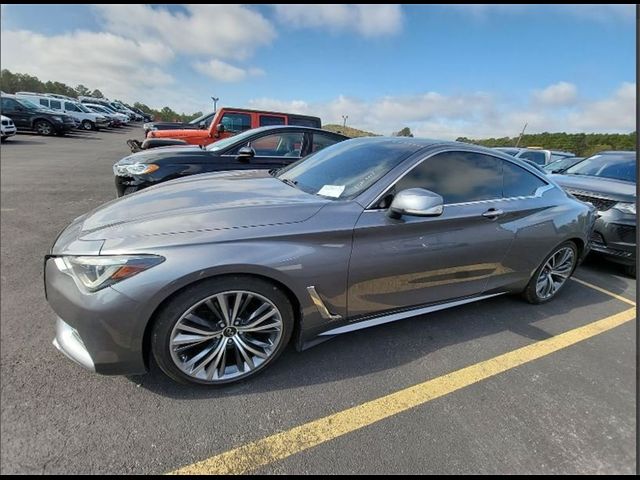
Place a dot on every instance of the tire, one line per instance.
(630, 270)
(43, 127)
(175, 351)
(532, 293)
(88, 125)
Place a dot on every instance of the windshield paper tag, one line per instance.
(333, 191)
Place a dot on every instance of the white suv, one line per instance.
(86, 119)
(7, 128)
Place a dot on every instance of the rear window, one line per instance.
(268, 120)
(304, 121)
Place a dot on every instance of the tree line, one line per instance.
(22, 82)
(582, 144)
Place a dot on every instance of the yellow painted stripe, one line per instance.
(282, 445)
(602, 290)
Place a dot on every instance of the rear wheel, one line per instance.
(43, 127)
(552, 275)
(222, 330)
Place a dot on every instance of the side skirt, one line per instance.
(392, 317)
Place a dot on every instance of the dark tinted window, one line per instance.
(55, 104)
(236, 122)
(304, 121)
(518, 182)
(609, 165)
(44, 102)
(321, 141)
(538, 157)
(267, 120)
(457, 176)
(71, 107)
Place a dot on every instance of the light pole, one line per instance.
(344, 120)
(215, 103)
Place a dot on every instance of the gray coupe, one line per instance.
(213, 275)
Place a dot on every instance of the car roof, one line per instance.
(294, 127)
(616, 152)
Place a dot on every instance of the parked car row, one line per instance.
(53, 114)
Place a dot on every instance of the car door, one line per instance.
(412, 261)
(20, 115)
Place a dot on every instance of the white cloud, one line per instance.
(558, 94)
(475, 115)
(225, 72)
(368, 20)
(228, 31)
(115, 65)
(597, 12)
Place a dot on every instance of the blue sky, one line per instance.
(473, 70)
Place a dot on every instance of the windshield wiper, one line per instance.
(274, 171)
(288, 181)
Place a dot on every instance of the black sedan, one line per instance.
(260, 148)
(608, 181)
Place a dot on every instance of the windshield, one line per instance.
(560, 165)
(196, 121)
(30, 104)
(621, 166)
(82, 108)
(227, 142)
(346, 169)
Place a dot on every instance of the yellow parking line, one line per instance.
(282, 445)
(600, 289)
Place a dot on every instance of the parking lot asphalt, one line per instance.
(568, 411)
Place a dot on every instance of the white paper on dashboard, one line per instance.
(333, 191)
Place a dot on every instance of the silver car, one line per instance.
(213, 275)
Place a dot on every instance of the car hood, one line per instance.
(604, 187)
(208, 202)
(160, 153)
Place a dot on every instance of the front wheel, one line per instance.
(551, 276)
(222, 330)
(88, 125)
(42, 127)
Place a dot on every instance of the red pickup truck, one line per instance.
(226, 123)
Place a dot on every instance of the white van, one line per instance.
(87, 119)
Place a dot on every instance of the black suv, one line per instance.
(29, 116)
(608, 181)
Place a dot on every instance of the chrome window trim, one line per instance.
(538, 192)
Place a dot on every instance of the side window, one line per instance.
(8, 105)
(518, 182)
(55, 104)
(537, 157)
(457, 176)
(266, 120)
(44, 102)
(287, 144)
(321, 141)
(236, 122)
(71, 107)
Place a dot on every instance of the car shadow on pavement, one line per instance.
(394, 344)
(605, 274)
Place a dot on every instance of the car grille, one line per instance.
(601, 204)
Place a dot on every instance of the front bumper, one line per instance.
(102, 331)
(614, 236)
(127, 185)
(9, 131)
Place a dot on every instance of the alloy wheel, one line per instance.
(226, 335)
(43, 128)
(555, 272)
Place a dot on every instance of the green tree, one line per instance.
(405, 132)
(97, 94)
(81, 90)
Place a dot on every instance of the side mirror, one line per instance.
(19, 108)
(417, 202)
(219, 130)
(245, 154)
(202, 125)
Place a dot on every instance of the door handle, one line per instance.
(493, 213)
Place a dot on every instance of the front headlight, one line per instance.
(626, 207)
(94, 273)
(135, 168)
